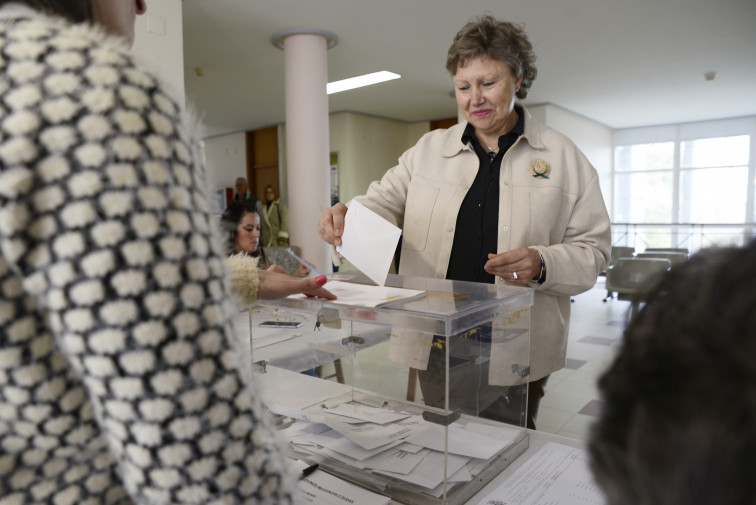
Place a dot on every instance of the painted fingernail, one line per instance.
(320, 279)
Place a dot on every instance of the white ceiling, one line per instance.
(622, 63)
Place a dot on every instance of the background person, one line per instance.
(678, 421)
(120, 377)
(276, 214)
(244, 194)
(498, 197)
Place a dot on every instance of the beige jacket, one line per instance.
(563, 216)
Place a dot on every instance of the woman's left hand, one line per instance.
(518, 267)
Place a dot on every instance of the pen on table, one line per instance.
(307, 471)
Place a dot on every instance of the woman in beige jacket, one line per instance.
(499, 198)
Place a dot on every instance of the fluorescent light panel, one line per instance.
(360, 81)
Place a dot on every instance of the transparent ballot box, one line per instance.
(416, 390)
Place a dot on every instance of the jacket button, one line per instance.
(505, 228)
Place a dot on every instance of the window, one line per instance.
(643, 183)
(714, 180)
(691, 185)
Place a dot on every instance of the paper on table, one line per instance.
(557, 474)
(366, 295)
(368, 242)
(325, 489)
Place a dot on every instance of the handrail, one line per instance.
(692, 236)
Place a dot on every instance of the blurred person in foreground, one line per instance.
(498, 198)
(678, 422)
(121, 380)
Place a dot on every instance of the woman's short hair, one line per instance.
(74, 10)
(498, 40)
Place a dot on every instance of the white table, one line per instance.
(301, 390)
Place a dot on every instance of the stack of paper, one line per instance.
(365, 295)
(396, 445)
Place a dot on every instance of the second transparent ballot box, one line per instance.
(431, 375)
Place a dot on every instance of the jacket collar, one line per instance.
(453, 142)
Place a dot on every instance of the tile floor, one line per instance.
(571, 402)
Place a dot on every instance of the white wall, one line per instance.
(226, 159)
(367, 147)
(159, 44)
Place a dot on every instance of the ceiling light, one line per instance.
(360, 80)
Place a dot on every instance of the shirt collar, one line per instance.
(519, 128)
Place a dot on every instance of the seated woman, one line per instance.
(241, 221)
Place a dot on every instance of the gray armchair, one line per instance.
(630, 276)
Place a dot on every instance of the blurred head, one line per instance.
(116, 16)
(270, 193)
(678, 423)
(241, 186)
(486, 38)
(241, 222)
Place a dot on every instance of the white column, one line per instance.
(307, 139)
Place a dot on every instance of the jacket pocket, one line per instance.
(421, 203)
(546, 214)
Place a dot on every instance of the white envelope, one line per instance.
(369, 242)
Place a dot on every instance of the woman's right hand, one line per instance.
(331, 223)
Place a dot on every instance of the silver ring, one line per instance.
(514, 276)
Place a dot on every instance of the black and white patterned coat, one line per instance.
(118, 378)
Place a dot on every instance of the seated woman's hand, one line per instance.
(277, 268)
(302, 271)
(331, 223)
(275, 285)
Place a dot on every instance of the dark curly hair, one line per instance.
(499, 40)
(230, 220)
(74, 10)
(678, 423)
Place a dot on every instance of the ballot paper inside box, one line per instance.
(406, 457)
(397, 356)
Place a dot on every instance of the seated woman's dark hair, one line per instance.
(74, 10)
(236, 210)
(230, 220)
